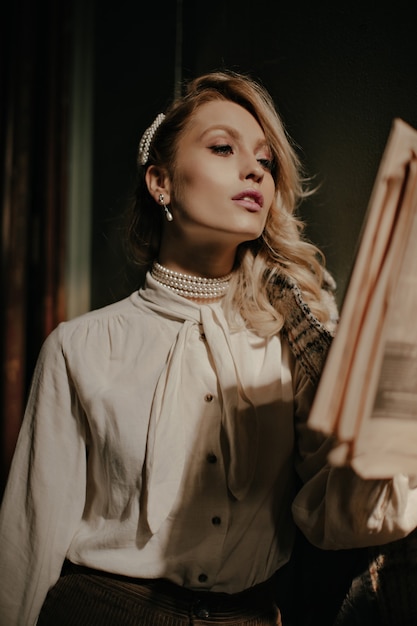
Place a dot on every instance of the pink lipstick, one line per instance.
(250, 199)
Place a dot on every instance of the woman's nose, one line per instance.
(253, 170)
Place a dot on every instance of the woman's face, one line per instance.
(224, 185)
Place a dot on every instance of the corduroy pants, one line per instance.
(84, 597)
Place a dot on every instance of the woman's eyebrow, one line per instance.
(223, 127)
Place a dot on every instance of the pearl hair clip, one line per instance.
(148, 135)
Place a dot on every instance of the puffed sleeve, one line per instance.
(45, 493)
(337, 509)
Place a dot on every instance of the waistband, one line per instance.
(202, 603)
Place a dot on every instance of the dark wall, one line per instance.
(339, 76)
(134, 78)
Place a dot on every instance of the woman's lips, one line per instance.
(250, 199)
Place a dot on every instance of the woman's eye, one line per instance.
(267, 164)
(223, 149)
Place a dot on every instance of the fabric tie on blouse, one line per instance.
(165, 459)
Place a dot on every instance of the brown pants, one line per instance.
(84, 597)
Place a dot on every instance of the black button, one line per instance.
(202, 578)
(216, 521)
(211, 458)
(208, 397)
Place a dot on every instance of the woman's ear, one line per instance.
(158, 182)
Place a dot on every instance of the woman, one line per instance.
(165, 436)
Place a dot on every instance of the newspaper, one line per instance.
(367, 396)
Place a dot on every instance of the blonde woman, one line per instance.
(164, 461)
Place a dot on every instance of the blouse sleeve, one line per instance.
(337, 509)
(45, 493)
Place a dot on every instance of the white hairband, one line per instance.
(145, 142)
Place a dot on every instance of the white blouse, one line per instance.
(157, 442)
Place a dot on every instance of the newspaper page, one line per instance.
(367, 395)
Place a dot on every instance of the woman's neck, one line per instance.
(206, 263)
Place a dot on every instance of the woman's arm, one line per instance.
(335, 508)
(44, 497)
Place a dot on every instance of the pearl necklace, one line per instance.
(193, 287)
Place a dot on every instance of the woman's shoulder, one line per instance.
(124, 307)
(101, 324)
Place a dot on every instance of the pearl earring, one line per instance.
(168, 213)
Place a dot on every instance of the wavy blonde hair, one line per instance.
(282, 250)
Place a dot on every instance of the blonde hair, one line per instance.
(282, 250)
